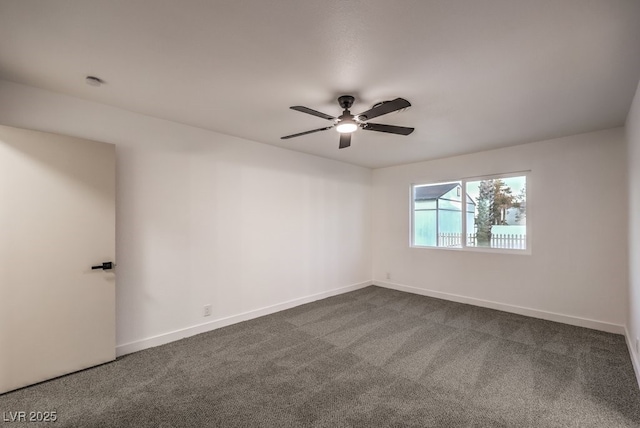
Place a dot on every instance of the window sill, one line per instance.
(526, 252)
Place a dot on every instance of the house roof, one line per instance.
(426, 193)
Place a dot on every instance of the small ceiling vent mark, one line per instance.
(93, 81)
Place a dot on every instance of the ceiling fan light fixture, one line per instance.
(347, 123)
(346, 126)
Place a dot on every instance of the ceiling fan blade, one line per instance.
(312, 112)
(391, 129)
(305, 133)
(384, 108)
(345, 141)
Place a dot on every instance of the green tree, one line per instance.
(484, 207)
(503, 199)
(494, 199)
(520, 202)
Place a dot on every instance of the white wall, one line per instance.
(633, 159)
(205, 218)
(577, 208)
(187, 198)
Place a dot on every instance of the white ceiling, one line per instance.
(480, 74)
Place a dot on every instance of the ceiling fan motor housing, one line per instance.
(346, 101)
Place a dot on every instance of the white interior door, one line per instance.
(57, 220)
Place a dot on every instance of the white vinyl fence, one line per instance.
(498, 240)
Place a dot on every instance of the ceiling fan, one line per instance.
(347, 123)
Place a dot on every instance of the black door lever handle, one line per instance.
(105, 266)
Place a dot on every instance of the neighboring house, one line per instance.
(437, 212)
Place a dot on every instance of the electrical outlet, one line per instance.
(388, 275)
(207, 310)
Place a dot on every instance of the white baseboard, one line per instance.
(535, 313)
(633, 354)
(172, 336)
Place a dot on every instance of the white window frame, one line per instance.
(463, 182)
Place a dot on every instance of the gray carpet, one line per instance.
(369, 358)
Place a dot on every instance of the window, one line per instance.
(483, 212)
